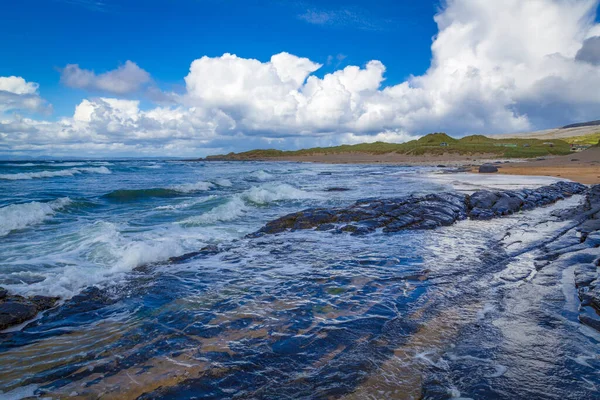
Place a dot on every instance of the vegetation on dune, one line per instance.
(591, 139)
(432, 144)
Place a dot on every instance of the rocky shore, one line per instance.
(398, 214)
(427, 212)
(579, 247)
(16, 309)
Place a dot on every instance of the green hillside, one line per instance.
(592, 139)
(432, 144)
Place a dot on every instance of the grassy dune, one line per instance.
(592, 139)
(427, 145)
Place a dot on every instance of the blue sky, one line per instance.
(198, 77)
(164, 37)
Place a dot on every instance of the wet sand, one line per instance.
(583, 167)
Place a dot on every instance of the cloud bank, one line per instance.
(127, 78)
(496, 67)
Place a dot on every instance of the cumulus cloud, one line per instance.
(16, 94)
(127, 78)
(496, 67)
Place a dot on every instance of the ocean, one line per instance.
(456, 312)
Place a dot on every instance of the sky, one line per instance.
(186, 78)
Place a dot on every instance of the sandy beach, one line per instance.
(582, 167)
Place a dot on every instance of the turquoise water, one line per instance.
(456, 312)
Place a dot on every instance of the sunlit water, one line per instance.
(456, 312)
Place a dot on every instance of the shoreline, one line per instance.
(582, 167)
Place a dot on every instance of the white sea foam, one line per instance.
(233, 209)
(187, 204)
(52, 174)
(103, 253)
(193, 187)
(238, 205)
(19, 216)
(223, 183)
(269, 193)
(20, 165)
(261, 175)
(68, 164)
(472, 182)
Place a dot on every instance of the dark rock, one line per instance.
(89, 299)
(488, 169)
(13, 312)
(441, 166)
(205, 251)
(427, 212)
(3, 293)
(483, 199)
(590, 318)
(44, 303)
(326, 227)
(337, 189)
(585, 274)
(17, 309)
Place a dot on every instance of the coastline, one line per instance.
(582, 167)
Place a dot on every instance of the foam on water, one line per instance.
(19, 216)
(473, 182)
(19, 165)
(260, 175)
(187, 204)
(233, 209)
(52, 174)
(102, 253)
(223, 183)
(193, 187)
(269, 193)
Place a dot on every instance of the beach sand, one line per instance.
(583, 167)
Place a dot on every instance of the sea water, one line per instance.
(456, 312)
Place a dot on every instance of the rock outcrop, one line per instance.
(488, 169)
(587, 253)
(16, 309)
(426, 212)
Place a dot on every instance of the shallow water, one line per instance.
(456, 312)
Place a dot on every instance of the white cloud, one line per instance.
(496, 67)
(17, 85)
(127, 78)
(16, 94)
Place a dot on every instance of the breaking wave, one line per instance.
(174, 191)
(238, 205)
(19, 216)
(260, 175)
(52, 174)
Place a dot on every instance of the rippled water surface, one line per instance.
(456, 312)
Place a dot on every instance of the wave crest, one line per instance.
(20, 216)
(51, 174)
(270, 193)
